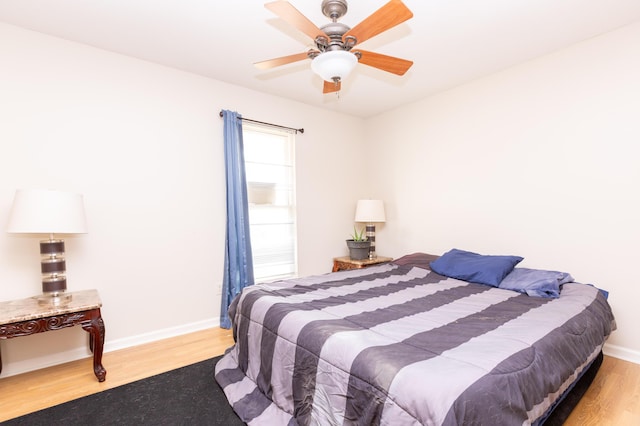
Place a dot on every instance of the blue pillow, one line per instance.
(536, 282)
(474, 267)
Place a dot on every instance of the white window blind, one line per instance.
(269, 161)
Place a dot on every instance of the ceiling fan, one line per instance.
(335, 57)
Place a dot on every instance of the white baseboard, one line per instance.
(621, 353)
(48, 360)
(153, 336)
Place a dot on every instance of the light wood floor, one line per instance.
(612, 400)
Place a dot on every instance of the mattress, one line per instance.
(398, 344)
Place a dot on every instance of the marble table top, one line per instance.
(42, 306)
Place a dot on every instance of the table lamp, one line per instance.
(370, 212)
(39, 211)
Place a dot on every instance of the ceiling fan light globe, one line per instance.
(334, 64)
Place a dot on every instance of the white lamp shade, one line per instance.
(370, 211)
(41, 211)
(334, 64)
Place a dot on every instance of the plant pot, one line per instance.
(358, 250)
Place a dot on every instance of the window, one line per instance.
(269, 161)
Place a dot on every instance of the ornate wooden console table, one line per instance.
(37, 314)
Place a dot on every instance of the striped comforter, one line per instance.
(401, 345)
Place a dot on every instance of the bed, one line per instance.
(399, 344)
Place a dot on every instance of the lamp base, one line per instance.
(54, 299)
(53, 267)
(371, 236)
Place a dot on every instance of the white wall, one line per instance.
(540, 160)
(143, 143)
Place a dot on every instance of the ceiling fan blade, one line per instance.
(330, 86)
(286, 11)
(388, 16)
(276, 62)
(385, 63)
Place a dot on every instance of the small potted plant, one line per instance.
(358, 245)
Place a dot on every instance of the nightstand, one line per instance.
(346, 263)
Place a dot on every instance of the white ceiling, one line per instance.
(450, 41)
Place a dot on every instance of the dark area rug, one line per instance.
(186, 396)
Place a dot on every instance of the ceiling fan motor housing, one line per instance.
(335, 31)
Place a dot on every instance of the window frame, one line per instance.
(249, 128)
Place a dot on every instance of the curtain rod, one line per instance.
(269, 124)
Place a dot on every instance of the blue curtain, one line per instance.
(238, 261)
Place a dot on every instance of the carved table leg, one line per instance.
(96, 343)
